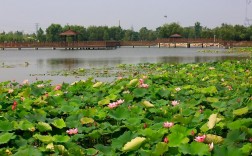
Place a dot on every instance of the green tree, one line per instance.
(169, 29)
(197, 29)
(52, 33)
(41, 36)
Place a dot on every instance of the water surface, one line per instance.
(35, 64)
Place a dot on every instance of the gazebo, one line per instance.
(176, 36)
(69, 33)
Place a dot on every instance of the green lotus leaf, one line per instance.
(247, 149)
(104, 102)
(160, 149)
(212, 99)
(86, 120)
(195, 148)
(213, 138)
(61, 149)
(97, 84)
(134, 144)
(61, 138)
(6, 137)
(106, 150)
(91, 151)
(43, 127)
(147, 104)
(240, 122)
(117, 143)
(212, 120)
(6, 126)
(50, 147)
(133, 82)
(176, 139)
(241, 111)
(59, 123)
(28, 151)
(44, 138)
(119, 114)
(153, 135)
(26, 125)
(140, 92)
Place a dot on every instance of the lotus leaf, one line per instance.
(213, 138)
(61, 138)
(43, 127)
(6, 137)
(195, 148)
(44, 138)
(6, 126)
(212, 120)
(86, 120)
(97, 84)
(160, 149)
(134, 144)
(59, 123)
(241, 111)
(147, 104)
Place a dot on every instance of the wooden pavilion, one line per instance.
(69, 35)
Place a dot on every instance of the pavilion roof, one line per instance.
(176, 36)
(68, 33)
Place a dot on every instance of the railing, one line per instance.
(113, 44)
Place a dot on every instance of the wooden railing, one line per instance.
(114, 44)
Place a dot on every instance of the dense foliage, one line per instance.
(185, 109)
(116, 33)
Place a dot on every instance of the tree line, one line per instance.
(116, 33)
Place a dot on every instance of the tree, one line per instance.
(143, 34)
(40, 35)
(169, 29)
(197, 29)
(52, 33)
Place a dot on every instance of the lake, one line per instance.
(32, 64)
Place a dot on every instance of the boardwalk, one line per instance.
(99, 45)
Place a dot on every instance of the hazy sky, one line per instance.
(23, 14)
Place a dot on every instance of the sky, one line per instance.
(22, 15)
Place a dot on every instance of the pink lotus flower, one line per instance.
(192, 133)
(200, 138)
(112, 105)
(10, 91)
(119, 77)
(25, 81)
(57, 87)
(166, 140)
(72, 131)
(168, 124)
(211, 146)
(175, 103)
(211, 68)
(14, 106)
(120, 101)
(144, 85)
(141, 81)
(40, 85)
(22, 98)
(178, 89)
(115, 104)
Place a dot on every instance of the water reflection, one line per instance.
(198, 59)
(29, 64)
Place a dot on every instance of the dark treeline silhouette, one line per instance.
(116, 33)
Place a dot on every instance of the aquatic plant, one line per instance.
(121, 118)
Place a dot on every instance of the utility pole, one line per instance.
(36, 27)
(247, 19)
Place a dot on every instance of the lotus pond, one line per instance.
(159, 109)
